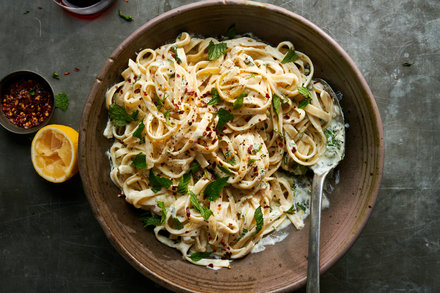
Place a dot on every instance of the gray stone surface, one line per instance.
(49, 239)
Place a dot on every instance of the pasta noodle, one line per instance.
(208, 135)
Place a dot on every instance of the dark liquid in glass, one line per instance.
(82, 3)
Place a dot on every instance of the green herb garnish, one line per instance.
(150, 220)
(140, 161)
(62, 101)
(32, 92)
(230, 157)
(224, 116)
(216, 50)
(26, 12)
(213, 189)
(175, 55)
(215, 97)
(407, 64)
(195, 166)
(196, 256)
(232, 31)
(276, 103)
(204, 211)
(256, 148)
(304, 91)
(304, 103)
(225, 169)
(258, 216)
(301, 206)
(177, 224)
(164, 212)
(55, 75)
(119, 116)
(125, 17)
(159, 102)
(290, 56)
(182, 187)
(138, 132)
(239, 101)
(167, 117)
(330, 136)
(158, 182)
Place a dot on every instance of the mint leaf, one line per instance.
(215, 97)
(290, 56)
(304, 91)
(213, 189)
(62, 101)
(232, 31)
(177, 224)
(204, 211)
(182, 187)
(125, 17)
(239, 101)
(158, 182)
(119, 116)
(138, 132)
(304, 103)
(195, 166)
(149, 220)
(276, 103)
(258, 216)
(164, 212)
(140, 161)
(196, 256)
(216, 50)
(224, 116)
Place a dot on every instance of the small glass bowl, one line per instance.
(4, 84)
(83, 10)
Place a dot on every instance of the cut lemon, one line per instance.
(54, 152)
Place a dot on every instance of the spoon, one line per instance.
(321, 169)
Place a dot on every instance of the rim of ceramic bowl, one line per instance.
(14, 76)
(374, 112)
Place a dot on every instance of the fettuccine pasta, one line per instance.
(208, 137)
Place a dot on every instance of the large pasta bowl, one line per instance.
(280, 267)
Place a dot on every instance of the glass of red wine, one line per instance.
(84, 7)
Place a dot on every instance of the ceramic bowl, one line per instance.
(4, 85)
(281, 267)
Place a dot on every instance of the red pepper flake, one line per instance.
(211, 265)
(249, 150)
(40, 7)
(294, 150)
(286, 117)
(76, 69)
(137, 91)
(188, 213)
(66, 73)
(267, 96)
(26, 103)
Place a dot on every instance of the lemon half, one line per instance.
(54, 152)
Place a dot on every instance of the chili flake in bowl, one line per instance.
(26, 102)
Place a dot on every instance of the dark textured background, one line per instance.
(49, 239)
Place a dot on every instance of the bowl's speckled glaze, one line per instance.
(281, 267)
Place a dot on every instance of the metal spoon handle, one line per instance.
(314, 237)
